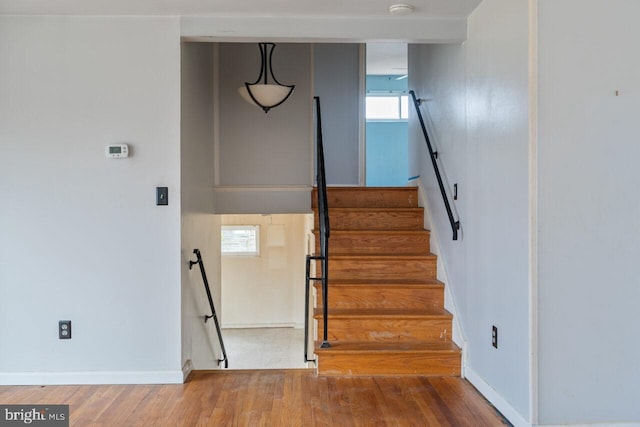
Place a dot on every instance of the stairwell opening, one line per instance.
(262, 283)
(386, 115)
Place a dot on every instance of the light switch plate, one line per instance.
(162, 196)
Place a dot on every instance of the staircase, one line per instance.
(386, 308)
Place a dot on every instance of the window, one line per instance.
(241, 240)
(387, 107)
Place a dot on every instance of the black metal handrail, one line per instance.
(213, 309)
(455, 225)
(323, 223)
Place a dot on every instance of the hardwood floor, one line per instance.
(270, 398)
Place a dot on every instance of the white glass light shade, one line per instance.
(267, 95)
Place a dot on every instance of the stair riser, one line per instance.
(359, 197)
(363, 269)
(376, 243)
(375, 220)
(382, 297)
(389, 364)
(387, 330)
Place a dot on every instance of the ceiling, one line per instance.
(387, 58)
(257, 8)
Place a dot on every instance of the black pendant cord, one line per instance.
(273, 77)
(263, 63)
(266, 68)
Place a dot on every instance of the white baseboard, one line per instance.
(496, 400)
(593, 425)
(186, 369)
(91, 378)
(259, 325)
(457, 334)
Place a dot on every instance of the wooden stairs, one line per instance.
(386, 307)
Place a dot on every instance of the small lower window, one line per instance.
(241, 240)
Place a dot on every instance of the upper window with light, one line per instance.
(388, 107)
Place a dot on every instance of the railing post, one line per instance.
(323, 222)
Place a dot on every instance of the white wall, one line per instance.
(589, 211)
(478, 104)
(266, 290)
(336, 80)
(200, 227)
(262, 155)
(82, 238)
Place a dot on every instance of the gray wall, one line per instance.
(336, 77)
(82, 238)
(574, 270)
(589, 223)
(264, 155)
(478, 110)
(200, 228)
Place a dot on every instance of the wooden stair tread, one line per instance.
(387, 313)
(386, 347)
(370, 189)
(383, 313)
(369, 196)
(383, 256)
(373, 209)
(427, 283)
(386, 232)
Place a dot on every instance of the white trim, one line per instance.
(344, 185)
(216, 113)
(533, 211)
(326, 29)
(362, 126)
(187, 368)
(458, 335)
(508, 411)
(261, 325)
(312, 115)
(595, 425)
(92, 377)
(387, 120)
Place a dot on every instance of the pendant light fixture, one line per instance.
(262, 93)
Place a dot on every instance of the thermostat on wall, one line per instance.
(117, 151)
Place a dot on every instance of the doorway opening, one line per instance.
(262, 281)
(386, 115)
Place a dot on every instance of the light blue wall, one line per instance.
(387, 142)
(389, 83)
(387, 154)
